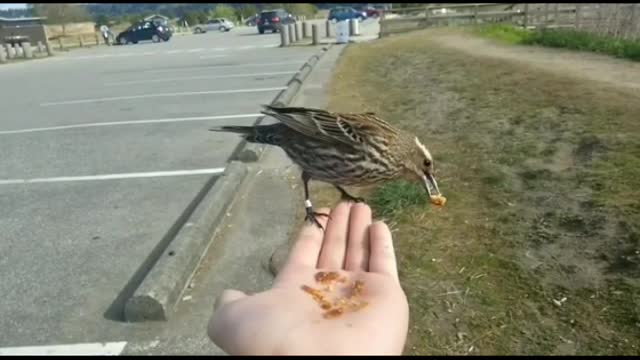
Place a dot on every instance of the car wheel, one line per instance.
(155, 38)
(261, 31)
(123, 41)
(198, 31)
(223, 29)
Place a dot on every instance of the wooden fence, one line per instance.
(616, 20)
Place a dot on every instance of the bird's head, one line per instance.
(419, 164)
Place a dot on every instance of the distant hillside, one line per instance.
(117, 10)
(171, 10)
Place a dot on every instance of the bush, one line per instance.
(584, 41)
(503, 32)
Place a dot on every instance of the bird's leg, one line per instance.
(347, 196)
(311, 215)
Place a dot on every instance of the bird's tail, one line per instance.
(244, 130)
(265, 134)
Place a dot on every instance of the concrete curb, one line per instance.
(247, 152)
(159, 292)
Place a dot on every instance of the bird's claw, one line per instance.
(311, 217)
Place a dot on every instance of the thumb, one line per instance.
(228, 296)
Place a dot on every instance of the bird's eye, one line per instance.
(427, 163)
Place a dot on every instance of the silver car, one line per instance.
(220, 24)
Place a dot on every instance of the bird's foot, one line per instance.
(311, 215)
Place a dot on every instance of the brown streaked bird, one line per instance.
(343, 149)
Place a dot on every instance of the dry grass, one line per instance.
(538, 248)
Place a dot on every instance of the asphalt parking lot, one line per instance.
(102, 150)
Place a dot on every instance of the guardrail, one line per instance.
(617, 20)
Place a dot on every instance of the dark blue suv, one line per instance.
(146, 30)
(343, 13)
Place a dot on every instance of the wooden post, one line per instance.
(60, 43)
(475, 14)
(328, 26)
(97, 39)
(578, 16)
(632, 25)
(315, 34)
(81, 42)
(305, 33)
(546, 15)
(526, 15)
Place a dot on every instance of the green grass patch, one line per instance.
(562, 38)
(504, 33)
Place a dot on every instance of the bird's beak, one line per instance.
(430, 184)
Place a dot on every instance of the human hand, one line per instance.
(285, 320)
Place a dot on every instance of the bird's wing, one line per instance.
(343, 127)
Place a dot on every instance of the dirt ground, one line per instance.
(538, 152)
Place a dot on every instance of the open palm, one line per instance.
(286, 320)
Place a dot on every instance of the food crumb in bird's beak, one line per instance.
(438, 200)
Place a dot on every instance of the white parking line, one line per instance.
(211, 56)
(185, 78)
(227, 66)
(147, 96)
(114, 176)
(110, 348)
(195, 50)
(130, 122)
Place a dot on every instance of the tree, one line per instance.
(202, 17)
(102, 20)
(298, 9)
(225, 11)
(191, 18)
(61, 14)
(247, 11)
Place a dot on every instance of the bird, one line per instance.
(342, 149)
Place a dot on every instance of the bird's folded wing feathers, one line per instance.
(342, 127)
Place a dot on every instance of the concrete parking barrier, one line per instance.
(47, 45)
(26, 50)
(97, 39)
(354, 28)
(329, 29)
(18, 50)
(284, 36)
(81, 41)
(11, 53)
(3, 56)
(315, 34)
(60, 43)
(305, 30)
(298, 29)
(292, 34)
(41, 48)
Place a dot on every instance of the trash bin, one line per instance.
(342, 32)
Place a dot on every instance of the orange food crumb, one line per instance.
(438, 200)
(333, 313)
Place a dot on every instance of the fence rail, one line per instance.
(616, 20)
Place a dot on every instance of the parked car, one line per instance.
(251, 21)
(369, 11)
(272, 20)
(145, 30)
(343, 13)
(220, 24)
